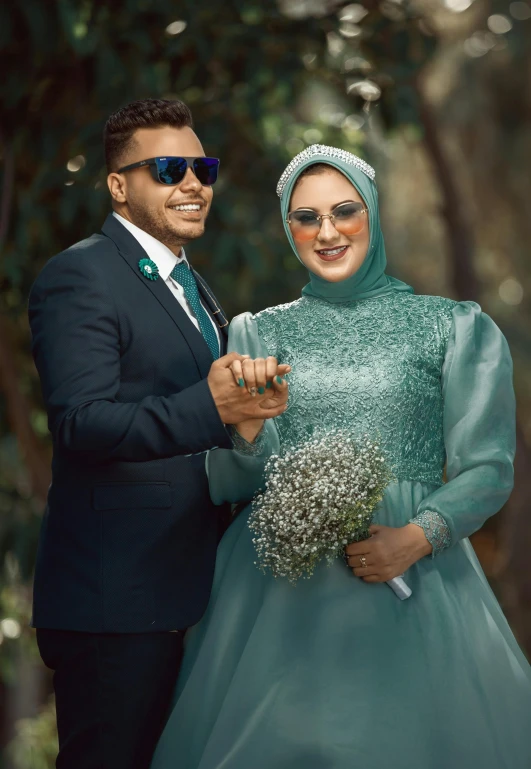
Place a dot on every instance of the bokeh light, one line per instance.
(294, 145)
(312, 136)
(347, 29)
(76, 164)
(511, 292)
(479, 44)
(458, 6)
(520, 11)
(353, 13)
(10, 628)
(499, 24)
(176, 27)
(367, 89)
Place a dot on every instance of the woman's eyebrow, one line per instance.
(307, 208)
(344, 201)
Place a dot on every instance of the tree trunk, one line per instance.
(516, 522)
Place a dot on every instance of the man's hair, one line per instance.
(118, 134)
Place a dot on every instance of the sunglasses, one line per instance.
(347, 218)
(172, 170)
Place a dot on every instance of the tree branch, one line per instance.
(7, 190)
(18, 414)
(18, 409)
(459, 232)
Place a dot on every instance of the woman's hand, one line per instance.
(263, 379)
(259, 375)
(388, 552)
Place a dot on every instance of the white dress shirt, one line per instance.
(166, 261)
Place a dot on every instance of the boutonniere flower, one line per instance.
(149, 269)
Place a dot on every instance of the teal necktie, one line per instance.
(185, 277)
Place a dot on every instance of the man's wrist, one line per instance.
(250, 429)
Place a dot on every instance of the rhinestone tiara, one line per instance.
(331, 152)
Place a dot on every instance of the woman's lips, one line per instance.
(331, 255)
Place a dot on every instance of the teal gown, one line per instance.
(334, 672)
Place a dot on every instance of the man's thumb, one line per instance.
(227, 360)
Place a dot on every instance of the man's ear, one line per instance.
(117, 187)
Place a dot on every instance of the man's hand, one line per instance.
(264, 397)
(388, 552)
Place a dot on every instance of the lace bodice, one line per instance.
(373, 367)
(431, 377)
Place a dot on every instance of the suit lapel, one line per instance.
(131, 251)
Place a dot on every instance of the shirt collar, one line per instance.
(157, 251)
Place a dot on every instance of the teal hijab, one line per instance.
(370, 280)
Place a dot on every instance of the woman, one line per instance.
(336, 671)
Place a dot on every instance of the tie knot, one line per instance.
(182, 273)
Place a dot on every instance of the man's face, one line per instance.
(153, 206)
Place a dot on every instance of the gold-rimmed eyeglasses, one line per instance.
(347, 218)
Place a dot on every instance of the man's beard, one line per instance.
(160, 230)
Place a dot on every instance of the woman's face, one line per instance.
(331, 255)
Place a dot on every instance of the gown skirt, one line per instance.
(333, 672)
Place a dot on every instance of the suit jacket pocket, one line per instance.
(119, 496)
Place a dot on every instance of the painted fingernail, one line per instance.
(261, 390)
(269, 385)
(241, 383)
(253, 391)
(279, 379)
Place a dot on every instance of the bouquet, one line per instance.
(318, 497)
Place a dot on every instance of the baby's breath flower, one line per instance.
(318, 497)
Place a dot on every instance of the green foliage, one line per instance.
(35, 744)
(243, 68)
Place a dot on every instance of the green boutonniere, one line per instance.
(149, 269)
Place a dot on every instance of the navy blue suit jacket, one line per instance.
(129, 536)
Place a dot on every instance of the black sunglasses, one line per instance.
(172, 170)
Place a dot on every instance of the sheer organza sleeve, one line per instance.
(234, 476)
(479, 430)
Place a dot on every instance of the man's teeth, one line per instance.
(331, 252)
(188, 207)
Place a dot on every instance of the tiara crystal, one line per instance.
(331, 152)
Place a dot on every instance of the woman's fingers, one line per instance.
(358, 548)
(359, 561)
(237, 372)
(249, 376)
(280, 384)
(274, 369)
(362, 565)
(365, 573)
(271, 368)
(260, 374)
(283, 369)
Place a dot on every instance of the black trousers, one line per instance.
(113, 694)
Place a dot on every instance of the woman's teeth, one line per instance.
(331, 251)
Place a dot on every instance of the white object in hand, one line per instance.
(400, 588)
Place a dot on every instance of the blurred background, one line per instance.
(434, 93)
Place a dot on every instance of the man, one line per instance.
(129, 344)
